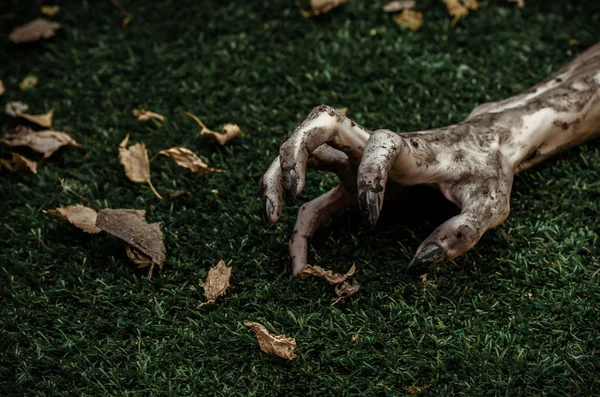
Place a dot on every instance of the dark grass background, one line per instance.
(517, 315)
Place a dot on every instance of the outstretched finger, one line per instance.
(460, 233)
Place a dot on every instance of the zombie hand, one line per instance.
(472, 163)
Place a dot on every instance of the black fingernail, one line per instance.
(427, 260)
(266, 208)
(369, 207)
(290, 186)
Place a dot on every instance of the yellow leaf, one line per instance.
(50, 11)
(28, 82)
(328, 275)
(228, 132)
(43, 120)
(410, 18)
(273, 344)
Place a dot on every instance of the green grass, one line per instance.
(77, 318)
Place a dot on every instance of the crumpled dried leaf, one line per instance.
(328, 275)
(410, 18)
(28, 82)
(125, 22)
(460, 8)
(273, 344)
(399, 5)
(228, 132)
(346, 290)
(186, 158)
(135, 161)
(43, 120)
(179, 193)
(217, 282)
(50, 10)
(145, 241)
(35, 30)
(15, 108)
(79, 216)
(145, 115)
(19, 163)
(343, 111)
(45, 141)
(318, 7)
(2, 89)
(520, 3)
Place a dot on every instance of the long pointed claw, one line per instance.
(426, 260)
(369, 207)
(266, 209)
(290, 185)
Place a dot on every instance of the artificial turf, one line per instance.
(517, 315)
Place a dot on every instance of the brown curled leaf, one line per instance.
(410, 18)
(145, 241)
(35, 30)
(15, 108)
(328, 275)
(46, 141)
(186, 158)
(19, 163)
(79, 216)
(346, 290)
(228, 132)
(179, 193)
(399, 5)
(43, 120)
(318, 7)
(460, 8)
(135, 161)
(145, 115)
(273, 344)
(2, 89)
(217, 282)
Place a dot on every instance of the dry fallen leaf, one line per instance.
(410, 18)
(125, 22)
(43, 120)
(217, 282)
(188, 159)
(318, 7)
(33, 31)
(343, 111)
(135, 161)
(46, 141)
(145, 115)
(28, 82)
(144, 241)
(414, 390)
(228, 132)
(328, 275)
(2, 90)
(346, 290)
(15, 108)
(520, 3)
(179, 193)
(399, 5)
(79, 216)
(50, 10)
(19, 163)
(273, 344)
(460, 8)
